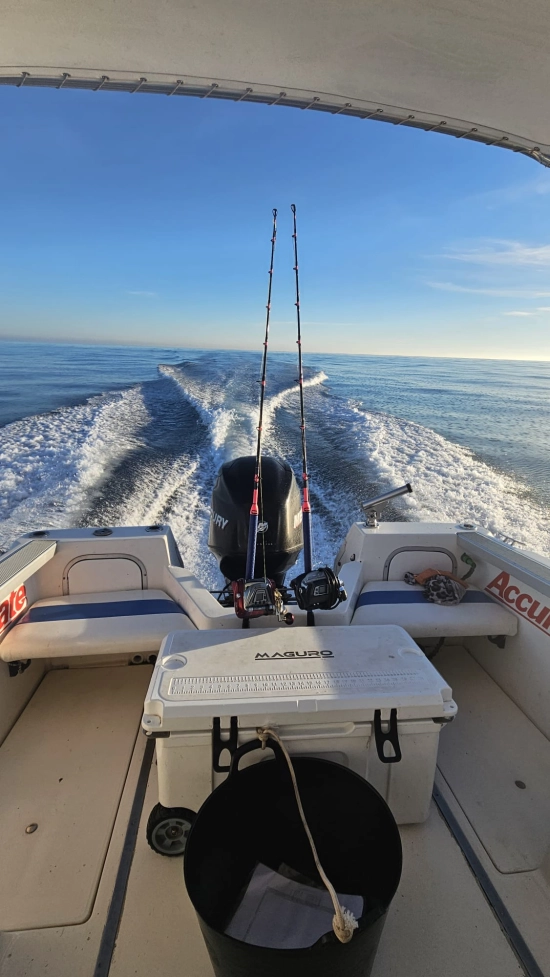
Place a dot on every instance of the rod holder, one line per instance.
(372, 507)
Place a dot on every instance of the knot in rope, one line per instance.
(263, 736)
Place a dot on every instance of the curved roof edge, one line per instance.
(120, 81)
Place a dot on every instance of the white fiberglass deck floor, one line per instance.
(62, 771)
(440, 922)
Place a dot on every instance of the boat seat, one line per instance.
(129, 621)
(395, 602)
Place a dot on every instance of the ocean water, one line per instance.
(95, 435)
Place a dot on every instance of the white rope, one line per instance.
(343, 922)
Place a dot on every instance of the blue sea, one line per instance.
(97, 435)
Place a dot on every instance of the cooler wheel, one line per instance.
(167, 829)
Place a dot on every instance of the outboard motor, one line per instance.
(280, 525)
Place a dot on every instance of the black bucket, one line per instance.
(252, 820)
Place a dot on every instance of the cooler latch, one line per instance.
(230, 743)
(389, 736)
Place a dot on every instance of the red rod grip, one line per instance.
(254, 510)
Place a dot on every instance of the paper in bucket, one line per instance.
(283, 913)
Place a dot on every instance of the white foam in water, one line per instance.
(278, 400)
(178, 497)
(232, 431)
(158, 490)
(51, 463)
(449, 482)
(231, 435)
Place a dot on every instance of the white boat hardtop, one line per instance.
(477, 73)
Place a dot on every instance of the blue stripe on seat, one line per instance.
(86, 612)
(416, 597)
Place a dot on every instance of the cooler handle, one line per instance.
(219, 745)
(248, 748)
(392, 736)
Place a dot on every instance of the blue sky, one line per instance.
(142, 219)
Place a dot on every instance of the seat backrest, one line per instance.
(98, 574)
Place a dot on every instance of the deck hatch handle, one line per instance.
(390, 736)
(230, 743)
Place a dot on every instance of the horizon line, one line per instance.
(250, 349)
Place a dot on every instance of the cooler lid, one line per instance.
(288, 671)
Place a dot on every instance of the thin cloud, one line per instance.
(145, 295)
(508, 293)
(509, 253)
(520, 313)
(327, 322)
(514, 193)
(313, 322)
(536, 312)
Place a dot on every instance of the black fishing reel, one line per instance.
(318, 590)
(256, 598)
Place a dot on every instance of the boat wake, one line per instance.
(51, 464)
(450, 483)
(151, 453)
(229, 410)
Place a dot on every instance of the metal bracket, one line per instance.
(419, 549)
(373, 506)
(391, 736)
(510, 541)
(219, 744)
(17, 668)
(179, 84)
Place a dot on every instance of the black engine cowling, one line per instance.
(279, 526)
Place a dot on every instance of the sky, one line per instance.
(147, 220)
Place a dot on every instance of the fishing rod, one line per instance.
(254, 510)
(256, 597)
(318, 589)
(306, 507)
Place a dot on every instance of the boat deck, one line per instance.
(76, 765)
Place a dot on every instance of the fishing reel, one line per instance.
(256, 598)
(318, 590)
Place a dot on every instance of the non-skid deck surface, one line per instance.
(63, 768)
(486, 755)
(439, 923)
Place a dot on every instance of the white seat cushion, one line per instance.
(132, 621)
(395, 602)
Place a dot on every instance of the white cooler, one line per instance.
(335, 692)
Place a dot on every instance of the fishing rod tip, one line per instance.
(293, 208)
